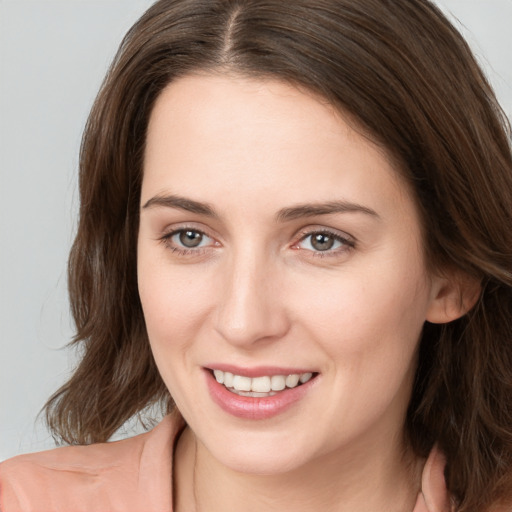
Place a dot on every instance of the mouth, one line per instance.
(263, 395)
(262, 386)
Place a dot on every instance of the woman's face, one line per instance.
(276, 245)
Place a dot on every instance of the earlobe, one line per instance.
(452, 297)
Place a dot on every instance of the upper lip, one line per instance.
(258, 371)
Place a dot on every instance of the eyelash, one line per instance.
(347, 243)
(183, 251)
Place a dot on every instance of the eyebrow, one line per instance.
(181, 203)
(328, 208)
(283, 215)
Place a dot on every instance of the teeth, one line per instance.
(228, 379)
(253, 393)
(278, 382)
(219, 376)
(305, 377)
(292, 380)
(260, 386)
(242, 383)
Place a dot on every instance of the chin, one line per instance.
(261, 454)
(259, 463)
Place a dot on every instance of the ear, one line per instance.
(453, 295)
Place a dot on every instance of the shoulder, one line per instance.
(107, 476)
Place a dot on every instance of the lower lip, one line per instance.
(254, 408)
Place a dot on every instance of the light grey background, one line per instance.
(53, 55)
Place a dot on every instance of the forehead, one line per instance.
(209, 134)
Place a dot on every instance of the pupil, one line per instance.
(322, 242)
(190, 238)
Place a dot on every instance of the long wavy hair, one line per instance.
(409, 79)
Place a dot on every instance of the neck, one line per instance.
(369, 478)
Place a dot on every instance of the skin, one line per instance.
(257, 292)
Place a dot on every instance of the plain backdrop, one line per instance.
(53, 55)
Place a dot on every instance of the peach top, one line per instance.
(132, 475)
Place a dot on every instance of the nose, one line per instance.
(251, 309)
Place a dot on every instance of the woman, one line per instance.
(294, 221)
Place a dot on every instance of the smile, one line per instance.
(261, 396)
(266, 385)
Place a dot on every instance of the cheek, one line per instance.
(173, 304)
(165, 298)
(369, 324)
(364, 307)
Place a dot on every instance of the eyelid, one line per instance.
(348, 241)
(172, 229)
(318, 228)
(166, 239)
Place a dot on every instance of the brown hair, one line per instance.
(409, 79)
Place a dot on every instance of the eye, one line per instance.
(324, 242)
(321, 241)
(187, 240)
